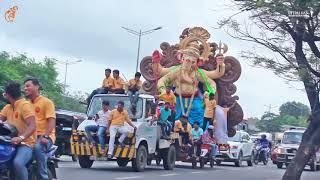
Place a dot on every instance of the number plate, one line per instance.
(290, 157)
(98, 158)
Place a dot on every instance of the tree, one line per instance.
(290, 30)
(295, 109)
(19, 67)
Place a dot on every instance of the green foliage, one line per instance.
(294, 109)
(291, 113)
(17, 68)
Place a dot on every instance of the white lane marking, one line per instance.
(196, 172)
(130, 177)
(173, 174)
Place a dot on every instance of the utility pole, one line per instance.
(140, 33)
(67, 63)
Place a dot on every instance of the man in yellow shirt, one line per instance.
(168, 96)
(184, 128)
(118, 83)
(46, 124)
(107, 85)
(20, 114)
(209, 112)
(118, 117)
(134, 87)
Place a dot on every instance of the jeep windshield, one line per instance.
(235, 138)
(292, 138)
(96, 105)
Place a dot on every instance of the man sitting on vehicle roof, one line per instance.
(117, 119)
(102, 120)
(118, 83)
(208, 138)
(107, 84)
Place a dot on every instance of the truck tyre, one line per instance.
(85, 162)
(238, 162)
(140, 162)
(122, 162)
(279, 165)
(169, 158)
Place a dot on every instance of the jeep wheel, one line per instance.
(279, 165)
(238, 162)
(122, 162)
(169, 158)
(85, 162)
(140, 162)
(250, 162)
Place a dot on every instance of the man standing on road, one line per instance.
(20, 114)
(46, 124)
(118, 117)
(103, 118)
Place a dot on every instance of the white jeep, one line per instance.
(140, 147)
(288, 147)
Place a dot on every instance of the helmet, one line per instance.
(8, 130)
(263, 136)
(7, 152)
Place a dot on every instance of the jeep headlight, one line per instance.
(279, 150)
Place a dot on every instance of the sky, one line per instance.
(91, 31)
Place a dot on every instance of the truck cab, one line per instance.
(140, 146)
(289, 146)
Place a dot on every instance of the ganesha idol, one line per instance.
(193, 67)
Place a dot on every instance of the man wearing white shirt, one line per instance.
(102, 120)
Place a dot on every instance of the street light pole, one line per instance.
(138, 56)
(140, 33)
(67, 63)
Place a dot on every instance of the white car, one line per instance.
(241, 149)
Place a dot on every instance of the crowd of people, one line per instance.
(35, 120)
(116, 85)
(113, 121)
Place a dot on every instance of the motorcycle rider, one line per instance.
(20, 113)
(263, 141)
(46, 124)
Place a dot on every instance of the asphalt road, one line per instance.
(110, 171)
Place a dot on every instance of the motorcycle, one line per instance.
(8, 151)
(261, 154)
